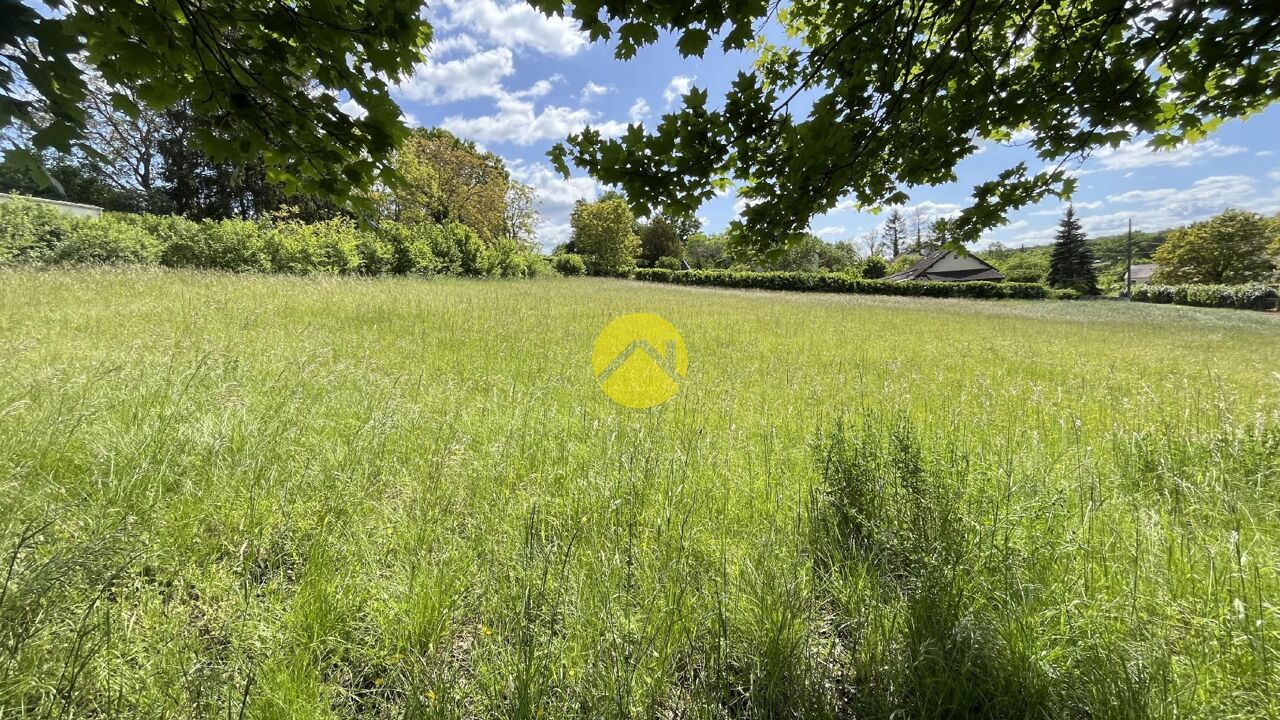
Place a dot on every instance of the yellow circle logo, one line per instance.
(639, 360)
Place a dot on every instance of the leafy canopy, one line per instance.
(870, 98)
(263, 77)
(1229, 249)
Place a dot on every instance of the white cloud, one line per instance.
(1162, 208)
(557, 196)
(538, 89)
(639, 111)
(677, 88)
(517, 122)
(357, 111)
(1135, 154)
(478, 75)
(592, 90)
(1274, 174)
(461, 42)
(830, 231)
(1265, 153)
(1061, 209)
(514, 25)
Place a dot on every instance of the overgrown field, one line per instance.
(274, 497)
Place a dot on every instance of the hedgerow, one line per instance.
(839, 283)
(1252, 296)
(35, 234)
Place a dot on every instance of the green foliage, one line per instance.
(1251, 296)
(874, 268)
(603, 235)
(1071, 262)
(269, 77)
(568, 264)
(1231, 248)
(30, 231)
(843, 283)
(35, 234)
(903, 262)
(667, 263)
(106, 241)
(659, 238)
(707, 252)
(897, 96)
(1063, 293)
(302, 248)
(230, 245)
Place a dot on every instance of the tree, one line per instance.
(444, 179)
(874, 268)
(867, 98)
(1231, 248)
(940, 234)
(266, 80)
(837, 257)
(660, 238)
(895, 232)
(919, 223)
(1071, 264)
(707, 252)
(604, 234)
(521, 217)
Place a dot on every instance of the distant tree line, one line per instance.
(157, 162)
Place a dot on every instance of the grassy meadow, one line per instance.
(272, 497)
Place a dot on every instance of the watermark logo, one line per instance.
(639, 360)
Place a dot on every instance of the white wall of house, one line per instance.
(70, 208)
(953, 262)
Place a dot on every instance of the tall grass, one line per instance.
(273, 497)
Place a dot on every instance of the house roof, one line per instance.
(1143, 270)
(923, 270)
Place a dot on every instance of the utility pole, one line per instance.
(1128, 262)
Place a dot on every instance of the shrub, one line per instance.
(231, 245)
(1251, 296)
(843, 283)
(874, 268)
(410, 248)
(1024, 275)
(300, 248)
(1065, 294)
(376, 254)
(106, 241)
(667, 262)
(569, 264)
(30, 231)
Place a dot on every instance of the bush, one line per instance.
(106, 241)
(569, 264)
(31, 231)
(667, 262)
(301, 248)
(1252, 296)
(1065, 294)
(842, 283)
(232, 245)
(874, 268)
(1024, 276)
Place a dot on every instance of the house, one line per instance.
(949, 266)
(70, 208)
(1141, 274)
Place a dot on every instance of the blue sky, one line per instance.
(503, 75)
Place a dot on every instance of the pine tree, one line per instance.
(1071, 264)
(895, 232)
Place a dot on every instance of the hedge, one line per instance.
(35, 234)
(838, 283)
(1253, 296)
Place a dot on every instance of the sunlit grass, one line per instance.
(329, 498)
